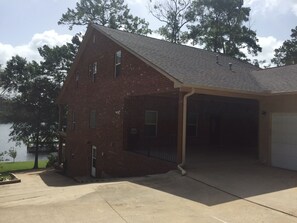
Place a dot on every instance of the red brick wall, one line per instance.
(106, 95)
(167, 109)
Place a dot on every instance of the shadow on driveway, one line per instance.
(53, 178)
(215, 183)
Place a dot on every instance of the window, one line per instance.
(192, 121)
(118, 60)
(73, 122)
(93, 119)
(151, 119)
(76, 78)
(93, 70)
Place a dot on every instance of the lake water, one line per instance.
(5, 145)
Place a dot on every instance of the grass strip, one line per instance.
(20, 166)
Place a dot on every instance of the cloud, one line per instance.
(29, 50)
(265, 7)
(133, 2)
(294, 9)
(268, 44)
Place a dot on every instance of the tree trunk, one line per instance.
(36, 152)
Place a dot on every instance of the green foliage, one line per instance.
(112, 13)
(20, 166)
(34, 88)
(220, 27)
(58, 59)
(12, 153)
(52, 159)
(4, 109)
(175, 14)
(5, 176)
(2, 155)
(287, 53)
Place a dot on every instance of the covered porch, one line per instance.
(173, 126)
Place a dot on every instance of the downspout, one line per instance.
(185, 103)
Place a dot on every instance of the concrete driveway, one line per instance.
(246, 178)
(207, 194)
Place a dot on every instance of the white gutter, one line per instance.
(185, 103)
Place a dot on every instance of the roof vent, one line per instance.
(217, 58)
(230, 66)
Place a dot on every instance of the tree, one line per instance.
(12, 153)
(287, 53)
(220, 27)
(112, 13)
(33, 89)
(33, 112)
(4, 108)
(58, 59)
(175, 14)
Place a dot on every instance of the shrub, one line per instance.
(12, 153)
(52, 159)
(2, 154)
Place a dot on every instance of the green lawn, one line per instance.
(17, 166)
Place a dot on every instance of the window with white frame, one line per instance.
(151, 123)
(118, 61)
(93, 70)
(93, 119)
(192, 123)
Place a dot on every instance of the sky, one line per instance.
(27, 25)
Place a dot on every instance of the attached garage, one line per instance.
(172, 100)
(284, 140)
(223, 125)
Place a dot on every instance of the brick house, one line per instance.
(137, 105)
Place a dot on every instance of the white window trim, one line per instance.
(115, 62)
(95, 66)
(94, 70)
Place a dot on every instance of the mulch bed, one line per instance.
(8, 178)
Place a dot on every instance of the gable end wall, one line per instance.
(106, 95)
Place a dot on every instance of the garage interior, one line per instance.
(221, 128)
(216, 126)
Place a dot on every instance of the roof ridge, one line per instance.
(178, 45)
(191, 66)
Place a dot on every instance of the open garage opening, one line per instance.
(216, 127)
(221, 127)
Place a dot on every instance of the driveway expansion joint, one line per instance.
(241, 198)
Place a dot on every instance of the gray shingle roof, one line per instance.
(196, 67)
(279, 79)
